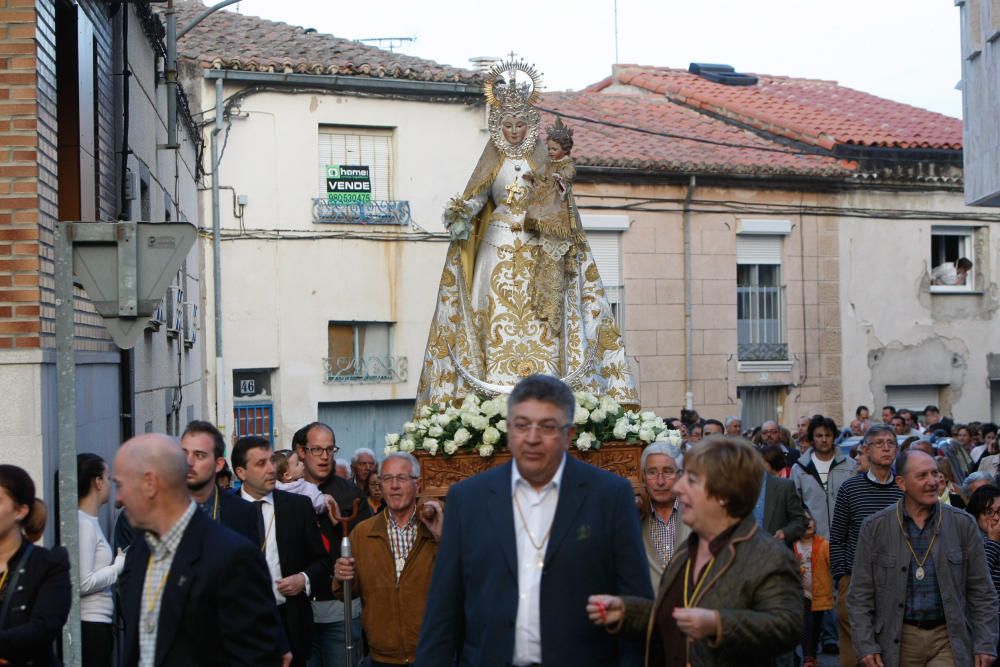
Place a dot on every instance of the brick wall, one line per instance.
(20, 256)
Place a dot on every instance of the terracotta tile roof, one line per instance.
(818, 112)
(227, 40)
(741, 152)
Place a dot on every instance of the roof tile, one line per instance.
(228, 40)
(818, 112)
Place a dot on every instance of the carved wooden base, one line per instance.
(440, 472)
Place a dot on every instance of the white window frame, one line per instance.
(968, 250)
(610, 226)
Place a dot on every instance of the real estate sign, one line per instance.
(348, 184)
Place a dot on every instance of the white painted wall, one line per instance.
(279, 295)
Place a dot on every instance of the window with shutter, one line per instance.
(760, 299)
(606, 248)
(370, 147)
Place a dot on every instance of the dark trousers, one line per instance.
(812, 626)
(96, 641)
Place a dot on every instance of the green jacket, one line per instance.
(754, 569)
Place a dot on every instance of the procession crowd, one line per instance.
(763, 546)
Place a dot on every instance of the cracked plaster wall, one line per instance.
(895, 331)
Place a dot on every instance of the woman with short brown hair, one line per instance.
(731, 595)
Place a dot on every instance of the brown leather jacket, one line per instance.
(391, 612)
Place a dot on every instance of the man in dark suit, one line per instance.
(779, 509)
(770, 434)
(205, 450)
(526, 543)
(193, 592)
(291, 542)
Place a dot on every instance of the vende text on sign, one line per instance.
(348, 184)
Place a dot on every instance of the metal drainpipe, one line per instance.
(220, 383)
(170, 74)
(688, 326)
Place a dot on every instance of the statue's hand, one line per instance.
(456, 218)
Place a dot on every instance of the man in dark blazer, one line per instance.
(784, 516)
(207, 598)
(292, 545)
(205, 451)
(526, 543)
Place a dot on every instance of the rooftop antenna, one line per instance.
(484, 63)
(390, 43)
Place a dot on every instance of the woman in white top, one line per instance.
(98, 572)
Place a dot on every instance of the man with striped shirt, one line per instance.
(858, 498)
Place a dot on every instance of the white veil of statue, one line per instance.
(494, 322)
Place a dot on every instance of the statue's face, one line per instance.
(514, 129)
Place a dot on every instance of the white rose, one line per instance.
(462, 436)
(489, 408)
(467, 417)
(589, 400)
(435, 431)
(621, 429)
(582, 415)
(663, 436)
(392, 439)
(479, 422)
(649, 415)
(675, 438)
(585, 441)
(598, 416)
(609, 405)
(409, 427)
(486, 450)
(502, 425)
(443, 420)
(425, 411)
(491, 436)
(450, 447)
(646, 435)
(407, 445)
(503, 406)
(471, 403)
(390, 449)
(431, 445)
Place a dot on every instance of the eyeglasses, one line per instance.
(545, 429)
(883, 444)
(666, 472)
(402, 479)
(323, 451)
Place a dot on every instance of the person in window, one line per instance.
(951, 273)
(35, 590)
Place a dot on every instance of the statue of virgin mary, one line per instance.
(488, 332)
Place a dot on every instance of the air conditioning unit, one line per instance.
(190, 324)
(157, 319)
(175, 310)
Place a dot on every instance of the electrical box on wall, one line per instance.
(175, 310)
(190, 324)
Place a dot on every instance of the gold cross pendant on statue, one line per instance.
(514, 193)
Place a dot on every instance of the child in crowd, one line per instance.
(290, 471)
(813, 554)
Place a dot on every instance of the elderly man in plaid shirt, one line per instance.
(662, 528)
(397, 546)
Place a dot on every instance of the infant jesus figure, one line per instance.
(551, 213)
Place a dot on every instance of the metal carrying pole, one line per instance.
(345, 552)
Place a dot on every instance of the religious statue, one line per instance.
(520, 292)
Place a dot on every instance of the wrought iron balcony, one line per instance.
(362, 213)
(763, 351)
(366, 369)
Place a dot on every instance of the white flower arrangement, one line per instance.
(480, 426)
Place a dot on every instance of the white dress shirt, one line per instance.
(269, 541)
(539, 510)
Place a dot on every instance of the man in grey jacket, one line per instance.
(820, 471)
(921, 592)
